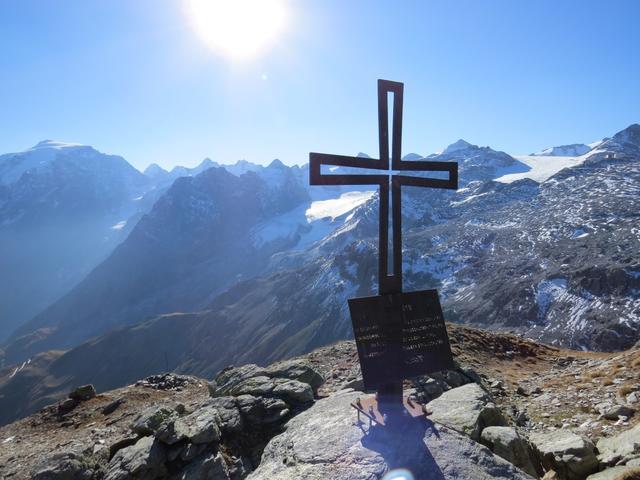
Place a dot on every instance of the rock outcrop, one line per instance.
(325, 442)
(509, 409)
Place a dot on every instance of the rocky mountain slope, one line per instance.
(554, 260)
(193, 243)
(181, 264)
(511, 409)
(63, 208)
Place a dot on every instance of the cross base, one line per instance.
(383, 414)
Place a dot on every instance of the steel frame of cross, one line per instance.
(388, 283)
(389, 182)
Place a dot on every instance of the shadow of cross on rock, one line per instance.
(402, 446)
(327, 442)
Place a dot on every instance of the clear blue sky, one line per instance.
(131, 77)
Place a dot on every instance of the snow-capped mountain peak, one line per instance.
(631, 135)
(625, 142)
(572, 150)
(54, 144)
(41, 155)
(457, 146)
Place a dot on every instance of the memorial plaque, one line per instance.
(399, 336)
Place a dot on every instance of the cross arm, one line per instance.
(450, 167)
(317, 160)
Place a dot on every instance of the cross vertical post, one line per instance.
(389, 183)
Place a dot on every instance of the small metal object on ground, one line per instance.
(369, 407)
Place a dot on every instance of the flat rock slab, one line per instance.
(326, 442)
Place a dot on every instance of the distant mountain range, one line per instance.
(247, 263)
(63, 208)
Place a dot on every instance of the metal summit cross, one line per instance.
(398, 335)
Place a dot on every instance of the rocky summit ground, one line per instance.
(512, 409)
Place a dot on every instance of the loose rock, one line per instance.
(571, 456)
(83, 393)
(508, 444)
(468, 409)
(616, 411)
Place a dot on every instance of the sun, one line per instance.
(239, 29)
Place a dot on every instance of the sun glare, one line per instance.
(239, 29)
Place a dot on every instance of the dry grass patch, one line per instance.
(629, 475)
(617, 369)
(594, 374)
(625, 390)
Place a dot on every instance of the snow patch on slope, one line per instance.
(542, 167)
(336, 207)
(573, 150)
(308, 224)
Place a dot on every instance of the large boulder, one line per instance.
(468, 409)
(259, 385)
(229, 418)
(83, 393)
(620, 448)
(326, 442)
(198, 427)
(573, 457)
(69, 465)
(258, 411)
(614, 412)
(507, 443)
(293, 392)
(228, 378)
(296, 369)
(292, 377)
(143, 460)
